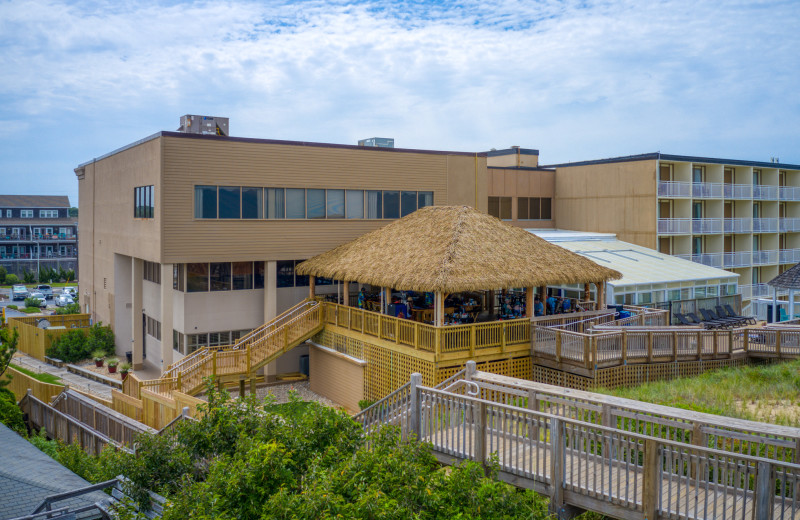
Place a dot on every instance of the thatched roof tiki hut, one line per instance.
(453, 249)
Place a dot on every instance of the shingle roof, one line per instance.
(34, 201)
(789, 279)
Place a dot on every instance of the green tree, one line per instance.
(72, 308)
(28, 277)
(69, 276)
(3, 273)
(12, 279)
(9, 338)
(73, 212)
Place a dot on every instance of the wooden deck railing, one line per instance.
(604, 468)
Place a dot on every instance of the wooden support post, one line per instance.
(252, 385)
(698, 439)
(214, 363)
(533, 405)
(502, 337)
(470, 370)
(650, 479)
(311, 283)
(556, 466)
(675, 346)
(414, 422)
(605, 420)
(601, 295)
(479, 434)
(529, 302)
(587, 352)
(346, 293)
(764, 492)
(778, 343)
(543, 298)
(558, 346)
(700, 344)
(241, 387)
(587, 293)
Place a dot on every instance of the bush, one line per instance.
(72, 308)
(31, 310)
(77, 345)
(12, 279)
(12, 306)
(10, 413)
(32, 302)
(3, 274)
(28, 277)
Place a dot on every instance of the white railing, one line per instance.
(707, 190)
(789, 256)
(738, 191)
(762, 192)
(765, 225)
(789, 224)
(737, 259)
(707, 225)
(709, 259)
(789, 193)
(765, 257)
(737, 225)
(674, 226)
(759, 290)
(674, 189)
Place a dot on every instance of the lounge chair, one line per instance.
(727, 312)
(709, 324)
(737, 321)
(683, 321)
(710, 316)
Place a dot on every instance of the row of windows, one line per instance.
(238, 202)
(153, 327)
(224, 276)
(191, 342)
(143, 202)
(528, 208)
(38, 232)
(152, 272)
(28, 213)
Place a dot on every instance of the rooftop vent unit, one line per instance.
(205, 125)
(379, 142)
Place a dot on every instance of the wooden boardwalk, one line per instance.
(703, 467)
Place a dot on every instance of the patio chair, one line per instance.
(709, 324)
(750, 319)
(711, 317)
(682, 320)
(737, 321)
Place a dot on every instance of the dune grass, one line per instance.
(768, 393)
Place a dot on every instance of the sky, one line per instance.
(576, 80)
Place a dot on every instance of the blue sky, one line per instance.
(575, 79)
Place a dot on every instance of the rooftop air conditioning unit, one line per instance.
(205, 125)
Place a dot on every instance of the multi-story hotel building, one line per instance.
(191, 239)
(36, 231)
(743, 216)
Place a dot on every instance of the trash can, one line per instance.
(304, 364)
(129, 356)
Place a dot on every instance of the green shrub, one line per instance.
(31, 310)
(32, 302)
(365, 403)
(10, 413)
(12, 306)
(12, 279)
(70, 347)
(28, 277)
(72, 308)
(3, 274)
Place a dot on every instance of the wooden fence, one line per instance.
(154, 409)
(35, 341)
(20, 383)
(117, 426)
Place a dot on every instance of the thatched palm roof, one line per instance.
(789, 279)
(453, 249)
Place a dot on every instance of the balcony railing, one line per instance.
(765, 225)
(37, 238)
(789, 256)
(789, 224)
(711, 190)
(737, 225)
(765, 257)
(738, 191)
(759, 290)
(789, 193)
(707, 225)
(674, 226)
(762, 192)
(674, 189)
(737, 259)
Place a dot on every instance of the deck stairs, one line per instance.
(240, 360)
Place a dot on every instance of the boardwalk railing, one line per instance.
(602, 468)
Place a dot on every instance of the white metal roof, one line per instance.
(638, 265)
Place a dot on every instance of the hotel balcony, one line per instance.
(789, 224)
(737, 225)
(674, 189)
(765, 225)
(674, 226)
(789, 193)
(736, 259)
(759, 290)
(765, 257)
(738, 191)
(706, 190)
(789, 256)
(706, 225)
(762, 192)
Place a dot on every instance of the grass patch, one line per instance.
(767, 393)
(31, 310)
(44, 378)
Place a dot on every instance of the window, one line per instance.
(196, 277)
(425, 199)
(258, 278)
(315, 204)
(274, 203)
(230, 198)
(178, 342)
(295, 203)
(152, 272)
(205, 202)
(300, 280)
(178, 272)
(8, 213)
(242, 275)
(533, 208)
(500, 207)
(285, 271)
(153, 327)
(27, 213)
(355, 204)
(335, 204)
(391, 204)
(252, 203)
(374, 204)
(221, 276)
(43, 213)
(408, 203)
(143, 202)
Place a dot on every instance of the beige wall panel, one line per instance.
(336, 377)
(503, 161)
(466, 179)
(510, 183)
(547, 183)
(524, 182)
(498, 183)
(221, 310)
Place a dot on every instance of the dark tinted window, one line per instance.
(252, 203)
(242, 275)
(221, 276)
(391, 204)
(408, 203)
(196, 277)
(205, 202)
(229, 202)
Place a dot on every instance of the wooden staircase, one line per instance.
(242, 359)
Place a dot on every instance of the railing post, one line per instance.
(214, 363)
(700, 344)
(778, 343)
(470, 370)
(479, 449)
(247, 353)
(502, 336)
(556, 466)
(533, 405)
(605, 420)
(764, 492)
(472, 341)
(558, 346)
(650, 347)
(414, 405)
(650, 479)
(675, 346)
(416, 335)
(438, 341)
(587, 347)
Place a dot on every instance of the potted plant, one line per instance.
(98, 356)
(124, 369)
(112, 365)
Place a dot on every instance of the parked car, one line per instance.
(46, 291)
(19, 292)
(62, 300)
(40, 298)
(72, 291)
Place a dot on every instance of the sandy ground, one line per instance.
(775, 412)
(103, 370)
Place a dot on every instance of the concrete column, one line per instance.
(529, 302)
(346, 293)
(166, 315)
(137, 346)
(270, 287)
